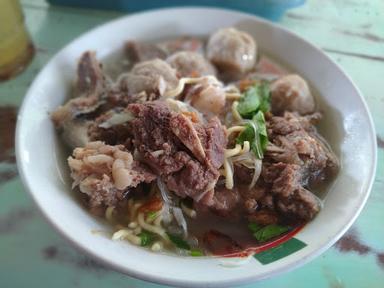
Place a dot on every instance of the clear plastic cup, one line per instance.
(16, 48)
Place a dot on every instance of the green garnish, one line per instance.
(196, 253)
(254, 227)
(152, 215)
(256, 98)
(146, 238)
(179, 242)
(265, 233)
(256, 134)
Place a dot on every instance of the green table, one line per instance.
(32, 254)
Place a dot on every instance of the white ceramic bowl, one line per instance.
(347, 125)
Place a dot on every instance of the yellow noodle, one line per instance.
(158, 220)
(133, 211)
(157, 246)
(191, 213)
(157, 153)
(157, 230)
(109, 214)
(126, 234)
(132, 225)
(151, 218)
(232, 152)
(228, 174)
(234, 129)
(235, 113)
(246, 147)
(232, 95)
(187, 80)
(137, 230)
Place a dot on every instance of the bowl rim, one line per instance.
(163, 279)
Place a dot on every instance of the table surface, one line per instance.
(32, 254)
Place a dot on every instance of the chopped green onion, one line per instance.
(152, 215)
(261, 130)
(146, 238)
(256, 133)
(265, 97)
(270, 231)
(254, 227)
(196, 253)
(256, 98)
(179, 242)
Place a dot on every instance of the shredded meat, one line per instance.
(179, 150)
(111, 134)
(106, 173)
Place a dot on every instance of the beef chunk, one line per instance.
(301, 204)
(179, 150)
(295, 159)
(226, 201)
(193, 180)
(207, 143)
(90, 78)
(294, 140)
(109, 132)
(139, 51)
(183, 128)
(154, 139)
(214, 141)
(285, 182)
(285, 178)
(242, 175)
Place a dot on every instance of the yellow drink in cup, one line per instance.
(16, 49)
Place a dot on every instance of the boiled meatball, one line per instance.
(208, 97)
(153, 77)
(232, 51)
(291, 93)
(188, 63)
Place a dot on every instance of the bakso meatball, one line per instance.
(188, 63)
(208, 97)
(291, 93)
(153, 76)
(232, 51)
